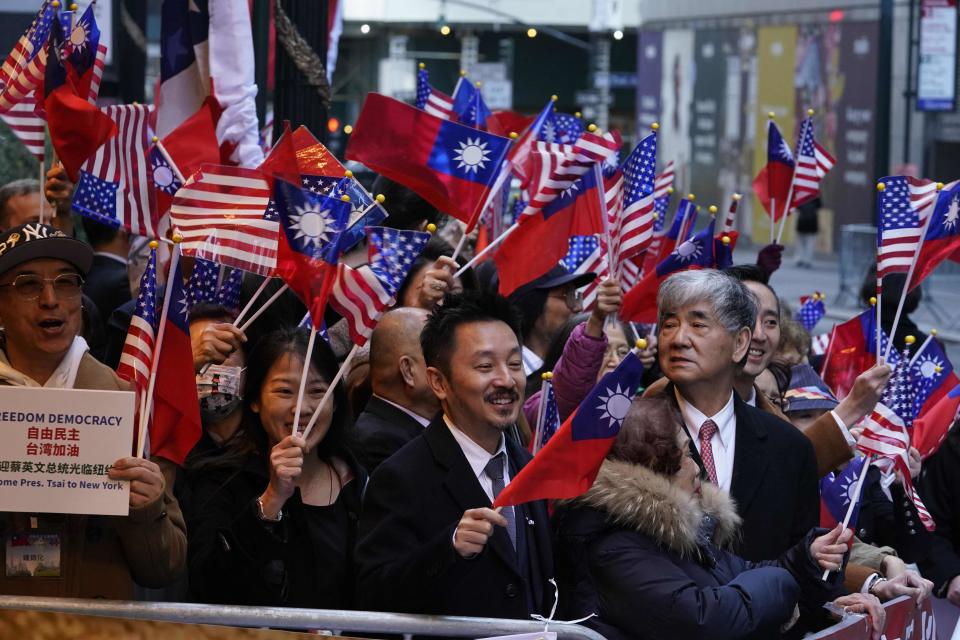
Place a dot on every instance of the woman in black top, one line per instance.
(273, 517)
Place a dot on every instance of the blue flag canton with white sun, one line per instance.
(601, 413)
(311, 223)
(465, 153)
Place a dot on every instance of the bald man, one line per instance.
(402, 403)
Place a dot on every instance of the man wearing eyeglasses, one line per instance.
(41, 278)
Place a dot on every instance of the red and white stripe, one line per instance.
(360, 298)
(219, 213)
(885, 436)
(27, 125)
(439, 104)
(635, 228)
(661, 186)
(596, 263)
(98, 63)
(544, 159)
(819, 344)
(731, 217)
(631, 270)
(18, 79)
(123, 160)
(588, 150)
(809, 171)
(137, 352)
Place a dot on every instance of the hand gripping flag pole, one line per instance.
(854, 500)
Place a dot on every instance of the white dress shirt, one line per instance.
(531, 361)
(723, 441)
(478, 457)
(424, 422)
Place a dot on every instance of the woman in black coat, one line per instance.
(273, 517)
(644, 548)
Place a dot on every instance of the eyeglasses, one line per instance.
(573, 299)
(30, 287)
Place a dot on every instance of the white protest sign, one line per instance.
(56, 448)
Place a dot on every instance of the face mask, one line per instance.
(218, 406)
(219, 391)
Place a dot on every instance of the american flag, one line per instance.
(23, 69)
(27, 125)
(202, 286)
(549, 422)
(115, 182)
(813, 163)
(811, 310)
(362, 295)
(98, 64)
(885, 436)
(819, 344)
(588, 150)
(663, 184)
(634, 227)
(562, 128)
(434, 102)
(220, 212)
(587, 255)
(229, 293)
(138, 347)
(731, 218)
(901, 227)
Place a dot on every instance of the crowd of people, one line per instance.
(702, 523)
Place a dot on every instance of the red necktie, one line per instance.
(707, 430)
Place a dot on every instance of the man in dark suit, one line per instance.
(768, 467)
(107, 283)
(429, 541)
(402, 403)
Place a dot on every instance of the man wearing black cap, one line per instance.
(545, 306)
(41, 276)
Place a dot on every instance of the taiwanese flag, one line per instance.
(930, 429)
(450, 165)
(175, 427)
(640, 303)
(77, 128)
(519, 154)
(931, 378)
(773, 181)
(310, 243)
(80, 49)
(852, 351)
(835, 491)
(569, 462)
(942, 238)
(537, 245)
(681, 227)
(724, 250)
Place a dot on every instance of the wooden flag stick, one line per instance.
(490, 247)
(253, 299)
(328, 394)
(43, 180)
(266, 304)
(494, 190)
(303, 378)
(916, 356)
(166, 156)
(773, 215)
(854, 499)
(605, 221)
(906, 284)
(148, 400)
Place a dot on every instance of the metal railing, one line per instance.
(289, 618)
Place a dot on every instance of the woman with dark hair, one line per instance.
(645, 548)
(273, 516)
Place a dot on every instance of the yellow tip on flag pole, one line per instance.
(463, 73)
(691, 197)
(909, 340)
(737, 196)
(933, 332)
(177, 238)
(641, 343)
(881, 186)
(577, 114)
(421, 66)
(712, 209)
(514, 135)
(810, 112)
(348, 174)
(771, 115)
(431, 228)
(725, 239)
(591, 127)
(655, 126)
(873, 301)
(344, 198)
(381, 198)
(153, 244)
(554, 97)
(546, 375)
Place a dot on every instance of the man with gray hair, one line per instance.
(706, 320)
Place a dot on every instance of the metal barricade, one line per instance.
(289, 618)
(858, 250)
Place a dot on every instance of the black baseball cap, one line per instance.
(557, 277)
(34, 240)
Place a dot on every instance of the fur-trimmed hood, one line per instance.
(635, 497)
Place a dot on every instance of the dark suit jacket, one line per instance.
(774, 482)
(405, 544)
(381, 430)
(107, 285)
